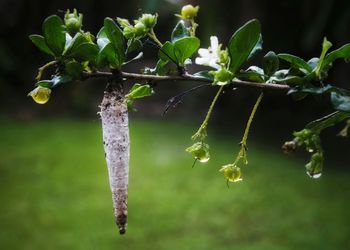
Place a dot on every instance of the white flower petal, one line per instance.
(201, 61)
(214, 43)
(204, 52)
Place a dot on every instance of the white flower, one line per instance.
(211, 56)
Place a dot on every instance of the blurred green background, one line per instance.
(54, 192)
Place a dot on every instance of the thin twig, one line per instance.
(188, 77)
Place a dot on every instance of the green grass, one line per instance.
(54, 193)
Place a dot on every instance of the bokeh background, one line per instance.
(54, 192)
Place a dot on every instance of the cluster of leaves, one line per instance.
(78, 54)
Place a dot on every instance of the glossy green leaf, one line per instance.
(257, 48)
(204, 75)
(180, 31)
(54, 34)
(74, 69)
(343, 52)
(85, 52)
(139, 91)
(54, 82)
(326, 45)
(253, 73)
(133, 45)
(77, 40)
(116, 37)
(242, 44)
(295, 61)
(270, 63)
(166, 52)
(107, 56)
(185, 47)
(39, 41)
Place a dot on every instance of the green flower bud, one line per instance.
(140, 29)
(40, 94)
(200, 151)
(129, 32)
(123, 22)
(148, 20)
(222, 76)
(189, 12)
(231, 172)
(314, 167)
(224, 57)
(73, 21)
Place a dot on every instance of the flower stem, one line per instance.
(243, 144)
(201, 133)
(153, 36)
(42, 69)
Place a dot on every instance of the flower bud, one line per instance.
(200, 151)
(222, 76)
(140, 29)
(314, 167)
(129, 32)
(123, 22)
(40, 94)
(73, 21)
(189, 12)
(231, 172)
(148, 20)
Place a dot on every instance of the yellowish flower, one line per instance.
(40, 95)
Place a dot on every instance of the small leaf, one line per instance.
(55, 37)
(295, 61)
(185, 47)
(343, 52)
(54, 82)
(86, 52)
(257, 48)
(204, 75)
(133, 45)
(253, 73)
(180, 31)
(159, 69)
(74, 69)
(74, 43)
(106, 56)
(166, 52)
(242, 43)
(270, 63)
(139, 91)
(39, 41)
(116, 37)
(326, 45)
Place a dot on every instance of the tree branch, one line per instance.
(188, 77)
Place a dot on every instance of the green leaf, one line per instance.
(185, 47)
(295, 61)
(343, 52)
(77, 40)
(116, 37)
(139, 91)
(106, 56)
(341, 102)
(204, 75)
(133, 45)
(327, 121)
(253, 73)
(159, 69)
(257, 48)
(326, 45)
(166, 52)
(86, 52)
(270, 63)
(140, 55)
(180, 31)
(39, 41)
(74, 69)
(242, 44)
(54, 82)
(54, 33)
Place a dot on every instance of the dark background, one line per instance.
(295, 27)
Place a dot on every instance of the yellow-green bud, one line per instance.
(40, 94)
(129, 32)
(123, 22)
(222, 76)
(231, 172)
(140, 29)
(200, 151)
(73, 21)
(189, 12)
(148, 20)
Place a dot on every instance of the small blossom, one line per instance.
(40, 94)
(189, 12)
(200, 151)
(231, 172)
(211, 56)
